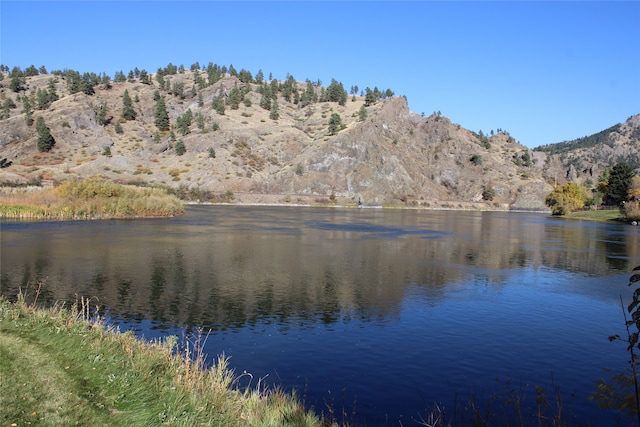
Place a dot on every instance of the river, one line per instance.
(374, 314)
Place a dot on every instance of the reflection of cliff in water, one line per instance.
(236, 267)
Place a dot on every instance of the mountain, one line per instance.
(378, 153)
(587, 157)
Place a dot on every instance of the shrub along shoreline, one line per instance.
(92, 198)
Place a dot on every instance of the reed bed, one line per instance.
(90, 199)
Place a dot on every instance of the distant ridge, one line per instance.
(210, 132)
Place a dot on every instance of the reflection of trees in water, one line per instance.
(240, 278)
(591, 249)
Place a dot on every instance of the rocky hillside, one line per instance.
(587, 157)
(381, 153)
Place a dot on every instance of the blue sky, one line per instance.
(544, 71)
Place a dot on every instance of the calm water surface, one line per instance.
(381, 312)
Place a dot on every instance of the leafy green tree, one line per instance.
(335, 123)
(161, 116)
(212, 152)
(565, 199)
(45, 140)
(118, 128)
(128, 113)
(620, 182)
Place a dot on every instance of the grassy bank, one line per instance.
(597, 215)
(90, 199)
(56, 368)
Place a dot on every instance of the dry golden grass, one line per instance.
(92, 198)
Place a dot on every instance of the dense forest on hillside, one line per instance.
(602, 137)
(203, 77)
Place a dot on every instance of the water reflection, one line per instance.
(224, 267)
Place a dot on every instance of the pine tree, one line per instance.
(101, 115)
(18, 80)
(119, 77)
(161, 116)
(234, 99)
(369, 98)
(27, 109)
(335, 123)
(128, 112)
(218, 105)
(144, 77)
(42, 99)
(336, 93)
(200, 122)
(45, 140)
(180, 148)
(7, 105)
(362, 113)
(620, 180)
(274, 114)
(51, 90)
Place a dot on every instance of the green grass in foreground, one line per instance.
(58, 369)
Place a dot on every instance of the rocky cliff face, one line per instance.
(586, 158)
(393, 156)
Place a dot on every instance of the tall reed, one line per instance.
(92, 198)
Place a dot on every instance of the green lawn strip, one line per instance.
(597, 215)
(58, 370)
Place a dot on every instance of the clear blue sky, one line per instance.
(544, 71)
